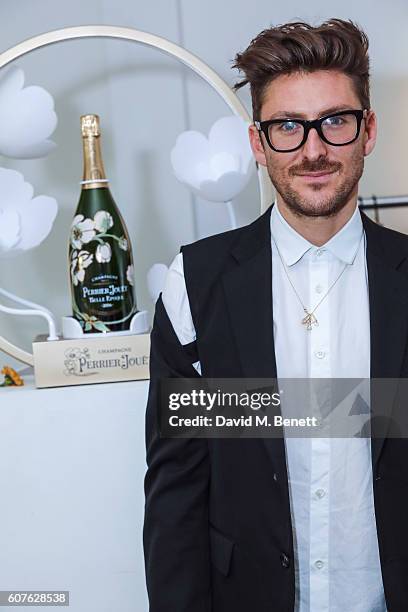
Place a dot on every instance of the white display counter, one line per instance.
(72, 464)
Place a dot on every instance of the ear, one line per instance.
(257, 145)
(370, 132)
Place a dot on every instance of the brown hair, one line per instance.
(299, 47)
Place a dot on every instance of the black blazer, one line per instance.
(217, 532)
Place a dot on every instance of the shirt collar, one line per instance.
(292, 246)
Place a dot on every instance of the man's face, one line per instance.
(318, 179)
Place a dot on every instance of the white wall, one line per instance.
(146, 99)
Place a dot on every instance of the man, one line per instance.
(312, 288)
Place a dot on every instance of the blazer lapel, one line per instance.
(248, 292)
(388, 300)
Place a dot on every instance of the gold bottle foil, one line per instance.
(94, 176)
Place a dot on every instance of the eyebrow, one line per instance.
(283, 114)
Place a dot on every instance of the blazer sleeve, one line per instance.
(175, 533)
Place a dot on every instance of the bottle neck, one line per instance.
(94, 176)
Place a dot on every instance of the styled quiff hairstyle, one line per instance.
(299, 47)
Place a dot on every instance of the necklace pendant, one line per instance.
(309, 320)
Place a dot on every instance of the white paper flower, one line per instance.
(156, 277)
(103, 221)
(217, 168)
(82, 231)
(79, 262)
(9, 219)
(103, 253)
(24, 221)
(27, 117)
(130, 275)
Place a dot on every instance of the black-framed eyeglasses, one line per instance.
(337, 129)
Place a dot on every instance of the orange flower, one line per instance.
(11, 378)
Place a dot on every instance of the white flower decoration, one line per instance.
(27, 117)
(156, 277)
(9, 219)
(103, 253)
(123, 243)
(130, 274)
(103, 221)
(216, 168)
(24, 221)
(79, 262)
(82, 231)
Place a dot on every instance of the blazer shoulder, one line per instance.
(212, 250)
(391, 237)
(399, 237)
(389, 244)
(207, 259)
(216, 242)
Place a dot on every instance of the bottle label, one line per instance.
(101, 271)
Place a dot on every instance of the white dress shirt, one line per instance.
(337, 566)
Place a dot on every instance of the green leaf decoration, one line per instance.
(99, 325)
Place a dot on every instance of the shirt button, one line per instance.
(319, 564)
(319, 252)
(320, 493)
(285, 560)
(318, 288)
(320, 354)
(275, 476)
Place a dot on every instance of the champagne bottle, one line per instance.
(100, 252)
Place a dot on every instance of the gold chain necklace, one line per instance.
(310, 319)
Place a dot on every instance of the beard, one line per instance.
(309, 202)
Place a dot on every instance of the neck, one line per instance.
(317, 230)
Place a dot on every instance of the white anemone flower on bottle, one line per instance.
(103, 221)
(79, 262)
(103, 253)
(82, 231)
(27, 117)
(123, 243)
(130, 273)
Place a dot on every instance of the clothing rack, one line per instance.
(382, 202)
(375, 203)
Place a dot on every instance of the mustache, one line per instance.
(320, 165)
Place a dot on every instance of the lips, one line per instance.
(317, 174)
(317, 177)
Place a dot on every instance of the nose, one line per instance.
(314, 146)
